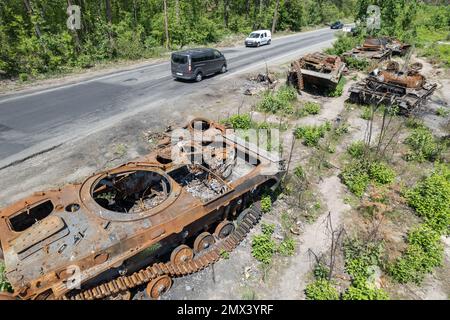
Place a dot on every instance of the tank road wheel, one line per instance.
(252, 211)
(181, 254)
(224, 229)
(203, 241)
(157, 287)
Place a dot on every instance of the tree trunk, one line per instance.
(37, 30)
(247, 9)
(177, 10)
(166, 24)
(275, 16)
(108, 11)
(225, 12)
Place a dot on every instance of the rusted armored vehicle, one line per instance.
(168, 214)
(372, 49)
(316, 70)
(406, 89)
(378, 49)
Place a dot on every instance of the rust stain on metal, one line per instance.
(317, 70)
(113, 230)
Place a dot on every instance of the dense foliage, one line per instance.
(34, 37)
(321, 289)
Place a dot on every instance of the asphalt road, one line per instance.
(33, 122)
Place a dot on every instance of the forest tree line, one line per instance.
(34, 38)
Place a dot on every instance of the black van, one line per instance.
(197, 63)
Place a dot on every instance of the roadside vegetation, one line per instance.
(35, 40)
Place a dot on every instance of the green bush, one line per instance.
(366, 113)
(423, 145)
(311, 134)
(311, 108)
(299, 172)
(431, 198)
(321, 289)
(239, 121)
(364, 290)
(358, 64)
(381, 173)
(4, 284)
(263, 247)
(423, 254)
(280, 102)
(356, 149)
(321, 271)
(287, 247)
(343, 44)
(442, 112)
(355, 177)
(266, 203)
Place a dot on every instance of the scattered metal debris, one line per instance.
(260, 82)
(317, 70)
(407, 89)
(117, 229)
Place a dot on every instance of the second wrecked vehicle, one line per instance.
(168, 214)
(378, 49)
(316, 70)
(406, 89)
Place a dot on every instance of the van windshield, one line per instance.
(178, 58)
(254, 35)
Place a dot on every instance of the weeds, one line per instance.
(263, 247)
(321, 289)
(287, 247)
(4, 284)
(310, 108)
(356, 149)
(337, 92)
(239, 121)
(423, 145)
(312, 134)
(266, 203)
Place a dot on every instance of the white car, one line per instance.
(258, 38)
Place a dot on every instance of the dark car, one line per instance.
(337, 25)
(195, 64)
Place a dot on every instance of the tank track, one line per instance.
(198, 263)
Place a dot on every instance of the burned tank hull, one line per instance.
(316, 70)
(167, 214)
(408, 90)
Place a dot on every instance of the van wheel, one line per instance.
(268, 42)
(199, 77)
(257, 44)
(224, 69)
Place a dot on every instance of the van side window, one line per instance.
(210, 56)
(217, 54)
(265, 35)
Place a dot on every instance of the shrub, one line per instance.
(431, 198)
(360, 258)
(358, 64)
(311, 108)
(442, 112)
(355, 177)
(343, 43)
(239, 121)
(356, 149)
(4, 284)
(381, 173)
(266, 203)
(363, 290)
(287, 247)
(279, 102)
(299, 172)
(263, 247)
(311, 134)
(423, 254)
(423, 145)
(321, 289)
(321, 271)
(366, 113)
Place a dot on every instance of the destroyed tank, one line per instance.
(408, 89)
(168, 214)
(316, 70)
